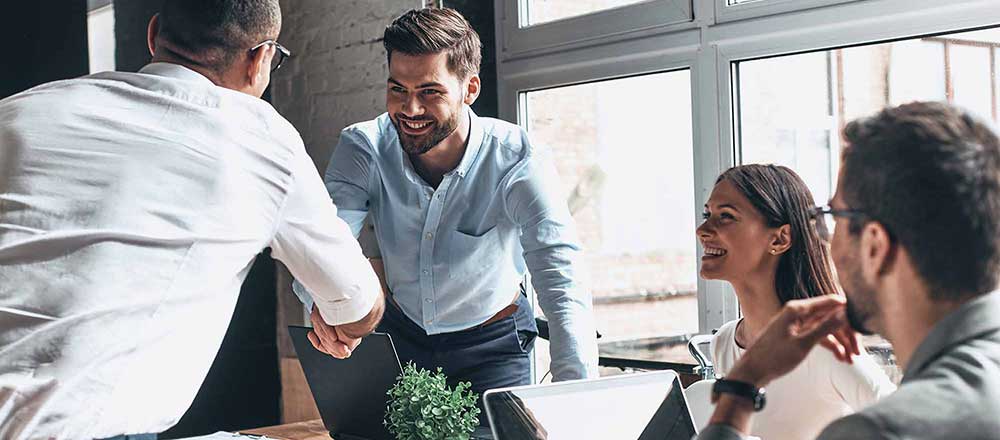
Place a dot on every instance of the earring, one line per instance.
(774, 252)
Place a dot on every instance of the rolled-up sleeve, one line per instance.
(348, 177)
(552, 254)
(321, 252)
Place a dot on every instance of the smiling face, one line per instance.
(734, 235)
(424, 100)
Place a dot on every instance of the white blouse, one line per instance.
(818, 391)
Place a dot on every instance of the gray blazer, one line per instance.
(950, 389)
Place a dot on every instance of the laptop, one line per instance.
(640, 406)
(351, 394)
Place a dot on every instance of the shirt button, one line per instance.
(426, 272)
(428, 300)
(429, 235)
(429, 196)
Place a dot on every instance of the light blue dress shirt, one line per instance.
(454, 256)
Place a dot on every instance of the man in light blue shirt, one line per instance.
(462, 206)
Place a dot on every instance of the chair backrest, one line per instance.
(699, 398)
(698, 346)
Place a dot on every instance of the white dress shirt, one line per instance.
(131, 208)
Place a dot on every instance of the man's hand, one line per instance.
(330, 339)
(792, 334)
(782, 346)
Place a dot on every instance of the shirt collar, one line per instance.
(473, 145)
(972, 319)
(177, 71)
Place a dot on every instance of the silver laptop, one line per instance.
(641, 406)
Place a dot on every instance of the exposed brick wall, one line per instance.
(337, 74)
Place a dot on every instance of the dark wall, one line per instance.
(242, 389)
(131, 20)
(480, 16)
(44, 40)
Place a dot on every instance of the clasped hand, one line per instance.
(330, 339)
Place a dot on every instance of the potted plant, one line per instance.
(423, 407)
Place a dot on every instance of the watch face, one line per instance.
(759, 400)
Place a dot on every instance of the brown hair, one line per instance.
(433, 30)
(781, 196)
(930, 174)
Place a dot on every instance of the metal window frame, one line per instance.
(724, 12)
(708, 46)
(641, 19)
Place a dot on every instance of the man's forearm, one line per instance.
(573, 347)
(736, 412)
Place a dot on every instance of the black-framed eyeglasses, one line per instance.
(824, 219)
(280, 54)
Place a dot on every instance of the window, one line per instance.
(751, 102)
(626, 165)
(101, 36)
(542, 11)
(792, 108)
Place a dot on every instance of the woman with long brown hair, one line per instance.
(759, 235)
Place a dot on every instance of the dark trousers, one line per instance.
(491, 356)
(133, 437)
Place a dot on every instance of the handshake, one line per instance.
(334, 340)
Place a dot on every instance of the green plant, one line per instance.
(422, 407)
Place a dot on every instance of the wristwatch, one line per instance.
(741, 389)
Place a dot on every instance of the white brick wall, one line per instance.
(337, 73)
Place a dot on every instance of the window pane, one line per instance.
(786, 116)
(792, 108)
(627, 167)
(542, 11)
(101, 38)
(970, 74)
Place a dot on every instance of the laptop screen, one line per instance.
(634, 406)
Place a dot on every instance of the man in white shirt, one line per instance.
(131, 208)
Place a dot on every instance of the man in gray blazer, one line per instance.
(916, 243)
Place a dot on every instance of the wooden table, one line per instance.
(308, 430)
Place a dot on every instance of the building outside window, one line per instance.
(627, 168)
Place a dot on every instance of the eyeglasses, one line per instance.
(280, 54)
(824, 219)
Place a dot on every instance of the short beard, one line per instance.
(417, 146)
(863, 308)
(856, 319)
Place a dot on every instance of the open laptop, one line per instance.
(641, 406)
(350, 393)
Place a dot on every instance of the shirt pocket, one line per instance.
(474, 254)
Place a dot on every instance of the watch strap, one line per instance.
(741, 389)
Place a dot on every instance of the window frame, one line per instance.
(648, 18)
(708, 46)
(725, 12)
